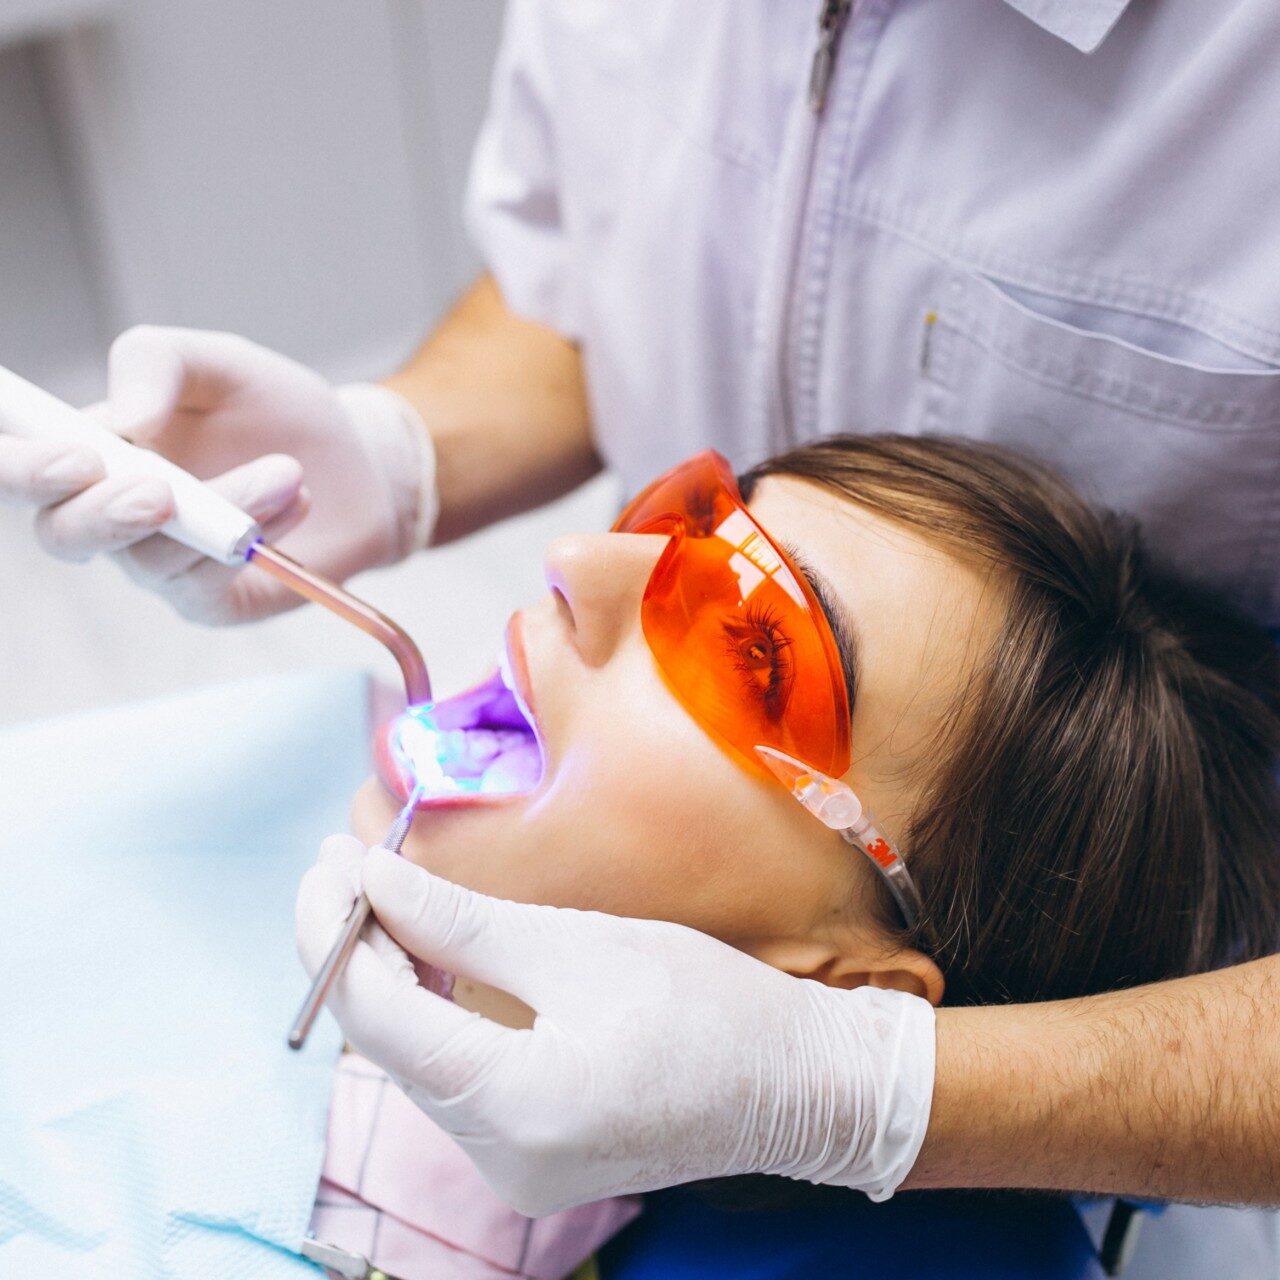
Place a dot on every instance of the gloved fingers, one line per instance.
(269, 489)
(459, 931)
(377, 1000)
(424, 1041)
(153, 371)
(343, 853)
(100, 411)
(389, 951)
(326, 895)
(35, 471)
(326, 900)
(107, 516)
(559, 961)
(218, 594)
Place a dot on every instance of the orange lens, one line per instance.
(734, 626)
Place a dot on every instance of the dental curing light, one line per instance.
(477, 746)
(202, 520)
(311, 586)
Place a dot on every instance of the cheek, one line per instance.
(637, 836)
(635, 813)
(641, 814)
(682, 835)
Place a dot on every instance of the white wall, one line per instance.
(48, 312)
(289, 169)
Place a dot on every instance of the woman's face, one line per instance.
(640, 813)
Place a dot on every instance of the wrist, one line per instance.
(1003, 1073)
(399, 450)
(1161, 1091)
(864, 1098)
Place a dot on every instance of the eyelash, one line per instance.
(760, 627)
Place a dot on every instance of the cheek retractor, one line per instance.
(209, 524)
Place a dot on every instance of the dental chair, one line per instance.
(833, 1234)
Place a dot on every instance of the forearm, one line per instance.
(1164, 1091)
(506, 405)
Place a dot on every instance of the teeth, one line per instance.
(472, 752)
(482, 741)
(515, 769)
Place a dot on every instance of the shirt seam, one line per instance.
(1245, 423)
(1145, 297)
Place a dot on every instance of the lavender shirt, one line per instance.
(1049, 223)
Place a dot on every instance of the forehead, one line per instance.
(925, 617)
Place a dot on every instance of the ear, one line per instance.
(850, 963)
(910, 971)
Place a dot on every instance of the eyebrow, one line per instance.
(838, 617)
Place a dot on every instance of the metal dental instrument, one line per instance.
(203, 520)
(345, 943)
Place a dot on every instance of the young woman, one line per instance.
(1072, 754)
(1069, 758)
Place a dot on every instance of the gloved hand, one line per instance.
(659, 1055)
(351, 471)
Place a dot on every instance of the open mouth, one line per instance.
(474, 748)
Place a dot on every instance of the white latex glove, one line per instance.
(348, 473)
(659, 1055)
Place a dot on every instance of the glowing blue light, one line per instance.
(423, 750)
(451, 761)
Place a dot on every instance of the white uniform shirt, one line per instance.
(1050, 223)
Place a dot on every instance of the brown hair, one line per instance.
(1107, 811)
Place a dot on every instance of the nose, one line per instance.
(600, 579)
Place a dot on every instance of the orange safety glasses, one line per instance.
(745, 646)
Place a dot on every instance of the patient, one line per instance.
(1073, 754)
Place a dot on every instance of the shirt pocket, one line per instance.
(1161, 422)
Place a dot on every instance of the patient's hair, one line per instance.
(1106, 810)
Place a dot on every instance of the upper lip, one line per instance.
(518, 665)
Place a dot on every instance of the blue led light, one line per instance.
(450, 761)
(422, 750)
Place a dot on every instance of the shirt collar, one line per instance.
(1082, 23)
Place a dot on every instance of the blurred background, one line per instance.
(292, 171)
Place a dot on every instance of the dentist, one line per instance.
(1049, 223)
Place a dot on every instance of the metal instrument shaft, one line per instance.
(346, 941)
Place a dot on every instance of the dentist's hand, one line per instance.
(659, 1055)
(348, 473)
